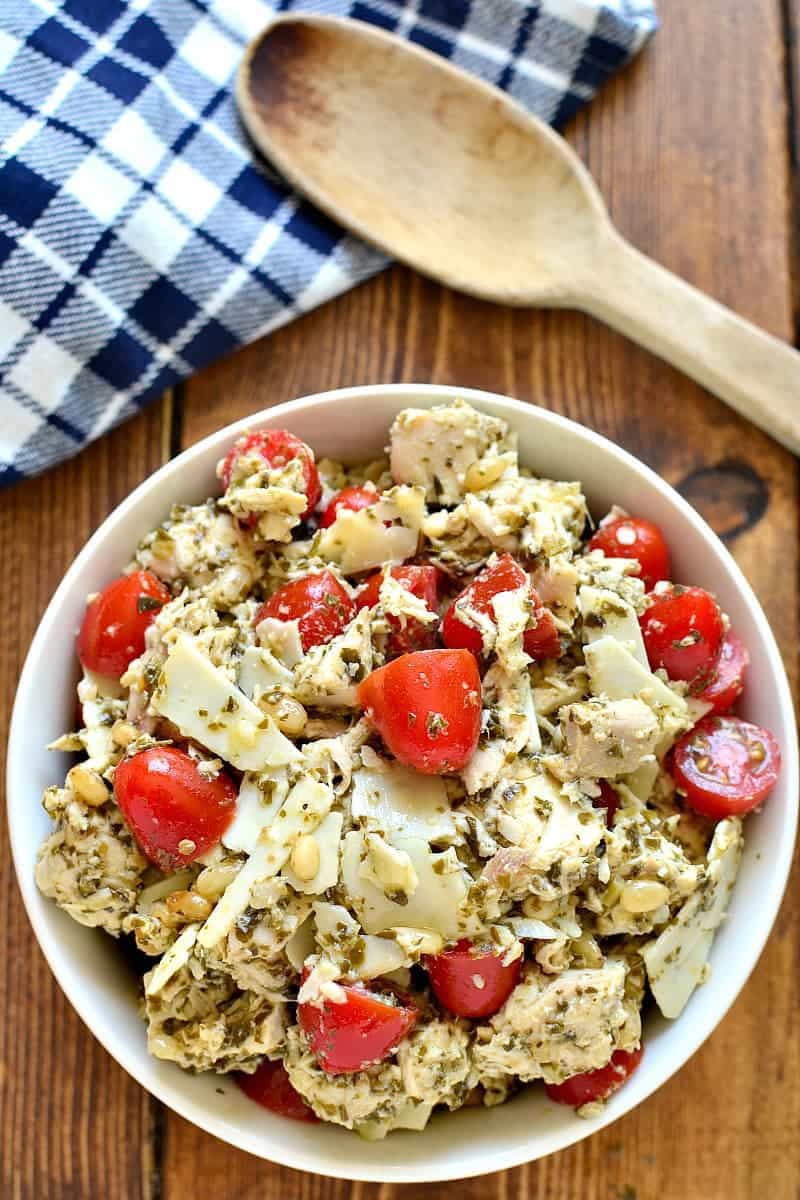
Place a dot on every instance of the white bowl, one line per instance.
(353, 424)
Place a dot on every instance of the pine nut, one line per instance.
(212, 881)
(87, 786)
(481, 475)
(287, 713)
(189, 905)
(305, 857)
(124, 733)
(643, 896)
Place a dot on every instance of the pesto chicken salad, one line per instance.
(415, 787)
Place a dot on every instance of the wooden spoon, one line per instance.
(446, 173)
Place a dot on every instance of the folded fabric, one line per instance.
(140, 236)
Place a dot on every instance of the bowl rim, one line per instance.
(195, 1112)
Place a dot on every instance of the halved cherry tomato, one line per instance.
(471, 980)
(271, 1087)
(596, 1085)
(319, 604)
(277, 447)
(113, 628)
(683, 632)
(608, 799)
(726, 766)
(727, 679)
(634, 537)
(365, 1029)
(353, 498)
(174, 812)
(505, 575)
(421, 581)
(427, 708)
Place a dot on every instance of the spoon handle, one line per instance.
(755, 373)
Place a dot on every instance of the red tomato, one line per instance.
(608, 799)
(166, 802)
(505, 575)
(471, 981)
(277, 447)
(596, 1085)
(634, 537)
(427, 708)
(113, 628)
(270, 1086)
(726, 766)
(727, 679)
(683, 632)
(421, 581)
(353, 498)
(365, 1029)
(319, 604)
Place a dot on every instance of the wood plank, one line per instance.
(689, 148)
(73, 1124)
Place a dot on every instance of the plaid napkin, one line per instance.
(139, 236)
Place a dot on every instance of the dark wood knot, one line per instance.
(731, 496)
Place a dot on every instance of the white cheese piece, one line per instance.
(301, 944)
(397, 799)
(260, 671)
(164, 887)
(528, 927)
(388, 868)
(361, 541)
(204, 704)
(172, 960)
(617, 675)
(260, 797)
(436, 902)
(304, 807)
(676, 960)
(328, 837)
(282, 639)
(605, 614)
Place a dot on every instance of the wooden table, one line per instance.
(693, 148)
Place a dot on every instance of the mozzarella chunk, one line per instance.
(605, 614)
(305, 806)
(677, 960)
(204, 704)
(361, 541)
(260, 797)
(435, 903)
(261, 672)
(397, 799)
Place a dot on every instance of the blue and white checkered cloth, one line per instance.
(140, 237)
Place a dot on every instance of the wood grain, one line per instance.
(690, 148)
(72, 1122)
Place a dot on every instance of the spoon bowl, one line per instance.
(513, 199)
(449, 175)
